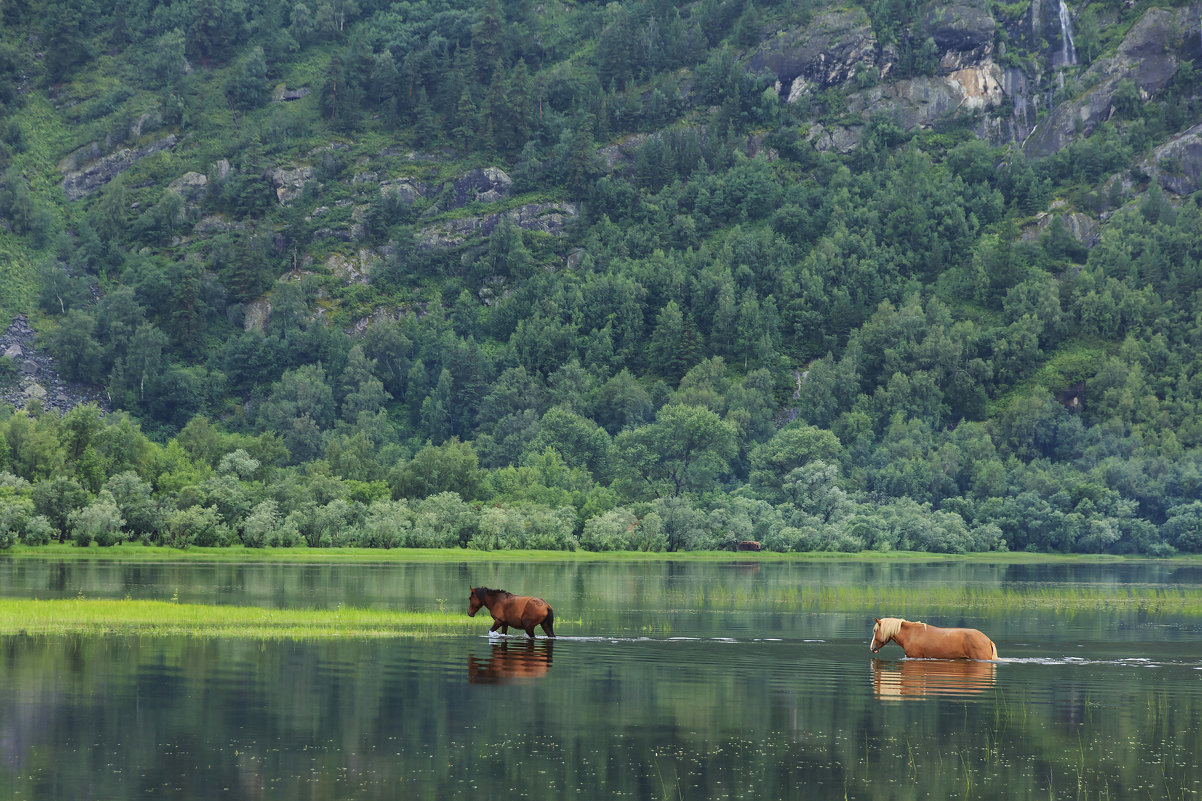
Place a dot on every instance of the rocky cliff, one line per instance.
(1006, 78)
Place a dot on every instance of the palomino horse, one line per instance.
(921, 641)
(504, 666)
(520, 611)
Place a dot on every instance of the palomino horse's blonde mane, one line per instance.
(890, 626)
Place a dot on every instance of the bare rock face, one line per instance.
(963, 32)
(81, 181)
(190, 186)
(1177, 164)
(289, 182)
(1150, 54)
(919, 102)
(354, 269)
(1081, 227)
(836, 138)
(827, 52)
(548, 218)
(258, 313)
(487, 185)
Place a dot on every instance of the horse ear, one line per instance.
(877, 619)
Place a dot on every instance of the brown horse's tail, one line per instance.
(549, 622)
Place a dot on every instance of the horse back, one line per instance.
(976, 645)
(524, 611)
(939, 643)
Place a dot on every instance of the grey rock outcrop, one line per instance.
(190, 186)
(83, 181)
(1177, 164)
(289, 182)
(353, 269)
(37, 378)
(486, 185)
(918, 102)
(963, 31)
(827, 52)
(548, 218)
(282, 94)
(1082, 227)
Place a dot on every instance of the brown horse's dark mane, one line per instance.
(481, 592)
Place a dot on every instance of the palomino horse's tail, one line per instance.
(993, 647)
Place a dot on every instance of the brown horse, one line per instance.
(520, 611)
(504, 666)
(921, 641)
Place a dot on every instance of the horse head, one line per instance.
(884, 631)
(475, 600)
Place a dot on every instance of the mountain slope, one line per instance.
(900, 275)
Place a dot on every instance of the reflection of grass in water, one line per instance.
(85, 616)
(936, 598)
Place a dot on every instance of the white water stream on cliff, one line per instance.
(1068, 50)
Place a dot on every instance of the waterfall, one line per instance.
(1068, 51)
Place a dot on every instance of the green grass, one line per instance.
(914, 602)
(166, 618)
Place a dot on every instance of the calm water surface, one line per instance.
(678, 680)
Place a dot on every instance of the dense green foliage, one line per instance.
(737, 337)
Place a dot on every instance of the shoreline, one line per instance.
(136, 552)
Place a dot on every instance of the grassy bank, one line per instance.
(98, 617)
(142, 553)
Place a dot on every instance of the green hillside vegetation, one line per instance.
(671, 322)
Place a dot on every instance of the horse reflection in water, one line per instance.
(923, 641)
(504, 666)
(919, 678)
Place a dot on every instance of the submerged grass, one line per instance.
(98, 617)
(913, 601)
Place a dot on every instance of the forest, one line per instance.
(574, 275)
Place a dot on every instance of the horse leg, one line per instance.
(497, 624)
(530, 632)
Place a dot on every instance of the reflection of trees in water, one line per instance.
(360, 718)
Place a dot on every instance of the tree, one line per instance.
(135, 503)
(56, 499)
(74, 346)
(195, 525)
(99, 522)
(581, 442)
(247, 85)
(259, 525)
(686, 449)
(675, 343)
(790, 448)
(452, 467)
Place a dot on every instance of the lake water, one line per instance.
(669, 680)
